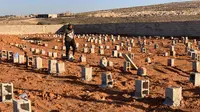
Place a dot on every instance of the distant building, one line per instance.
(32, 15)
(47, 16)
(66, 14)
(10, 16)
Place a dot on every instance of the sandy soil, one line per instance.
(68, 93)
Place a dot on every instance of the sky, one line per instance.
(25, 7)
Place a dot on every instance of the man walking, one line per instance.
(69, 40)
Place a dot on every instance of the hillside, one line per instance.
(169, 9)
(177, 11)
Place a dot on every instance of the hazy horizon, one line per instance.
(24, 7)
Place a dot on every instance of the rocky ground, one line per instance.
(68, 93)
(167, 9)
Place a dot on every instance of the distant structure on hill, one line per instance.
(46, 16)
(66, 14)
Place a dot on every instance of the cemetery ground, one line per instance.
(67, 92)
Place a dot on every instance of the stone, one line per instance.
(112, 37)
(142, 71)
(22, 105)
(195, 78)
(38, 63)
(101, 47)
(166, 54)
(144, 42)
(187, 49)
(30, 62)
(39, 42)
(63, 48)
(127, 44)
(131, 56)
(16, 58)
(188, 44)
(194, 56)
(42, 52)
(129, 49)
(52, 66)
(106, 80)
(195, 41)
(170, 62)
(118, 37)
(6, 92)
(21, 59)
(132, 41)
(71, 57)
(4, 54)
(173, 53)
(60, 66)
(115, 53)
(190, 52)
(101, 51)
(105, 39)
(127, 58)
(85, 50)
(37, 51)
(54, 54)
(121, 44)
(198, 57)
(172, 48)
(100, 42)
(148, 60)
(149, 43)
(93, 46)
(143, 50)
(92, 50)
(9, 55)
(86, 73)
(32, 50)
(12, 44)
(132, 44)
(173, 96)
(77, 45)
(173, 42)
(120, 55)
(16, 45)
(110, 63)
(50, 54)
(89, 40)
(156, 46)
(117, 47)
(83, 59)
(103, 62)
(113, 41)
(96, 41)
(127, 66)
(196, 66)
(63, 56)
(141, 88)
